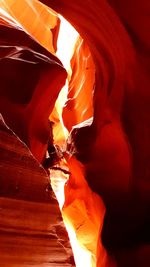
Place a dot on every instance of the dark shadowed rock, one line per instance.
(31, 229)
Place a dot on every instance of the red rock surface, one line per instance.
(115, 147)
(31, 228)
(29, 75)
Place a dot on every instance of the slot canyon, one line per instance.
(75, 133)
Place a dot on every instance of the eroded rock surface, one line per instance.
(31, 227)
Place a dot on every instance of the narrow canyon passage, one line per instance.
(88, 122)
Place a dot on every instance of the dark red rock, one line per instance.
(31, 228)
(115, 148)
(31, 79)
